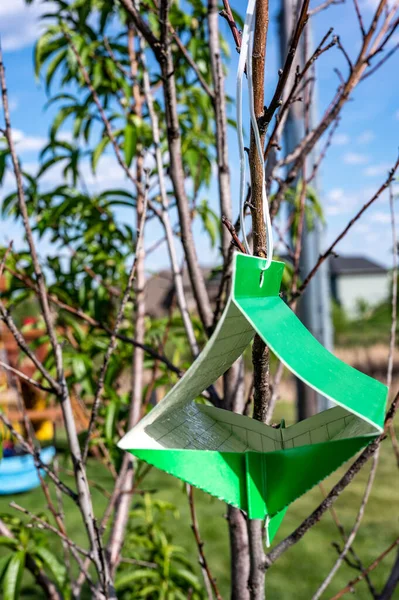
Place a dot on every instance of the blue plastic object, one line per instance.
(18, 473)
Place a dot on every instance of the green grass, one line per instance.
(299, 572)
(372, 327)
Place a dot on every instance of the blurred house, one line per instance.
(354, 280)
(357, 281)
(160, 291)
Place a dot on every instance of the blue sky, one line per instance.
(365, 146)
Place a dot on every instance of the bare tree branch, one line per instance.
(112, 343)
(370, 568)
(220, 121)
(210, 581)
(336, 491)
(324, 6)
(357, 216)
(164, 56)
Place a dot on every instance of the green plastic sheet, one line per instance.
(255, 467)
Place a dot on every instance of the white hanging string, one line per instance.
(247, 42)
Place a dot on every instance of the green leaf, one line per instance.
(3, 164)
(79, 367)
(57, 569)
(112, 410)
(95, 157)
(130, 143)
(53, 66)
(129, 578)
(4, 561)
(8, 542)
(13, 576)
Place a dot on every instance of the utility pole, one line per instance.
(314, 306)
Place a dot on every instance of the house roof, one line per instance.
(159, 290)
(354, 265)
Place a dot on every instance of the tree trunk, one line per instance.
(260, 353)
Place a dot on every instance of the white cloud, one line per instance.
(109, 174)
(19, 25)
(381, 217)
(362, 228)
(346, 202)
(13, 104)
(366, 137)
(27, 143)
(340, 139)
(377, 170)
(355, 158)
(335, 195)
(336, 202)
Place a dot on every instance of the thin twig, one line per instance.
(85, 501)
(228, 15)
(359, 18)
(36, 455)
(94, 323)
(392, 341)
(112, 343)
(164, 214)
(324, 6)
(208, 577)
(336, 491)
(19, 338)
(235, 240)
(45, 525)
(357, 216)
(353, 533)
(283, 78)
(25, 377)
(374, 564)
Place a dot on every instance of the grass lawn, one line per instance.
(301, 569)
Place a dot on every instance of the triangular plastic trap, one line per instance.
(248, 464)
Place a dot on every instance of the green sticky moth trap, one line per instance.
(250, 465)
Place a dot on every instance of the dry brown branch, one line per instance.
(19, 338)
(235, 240)
(323, 152)
(222, 154)
(164, 214)
(358, 563)
(45, 525)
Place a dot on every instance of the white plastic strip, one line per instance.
(246, 60)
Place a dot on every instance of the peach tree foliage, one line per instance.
(93, 231)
